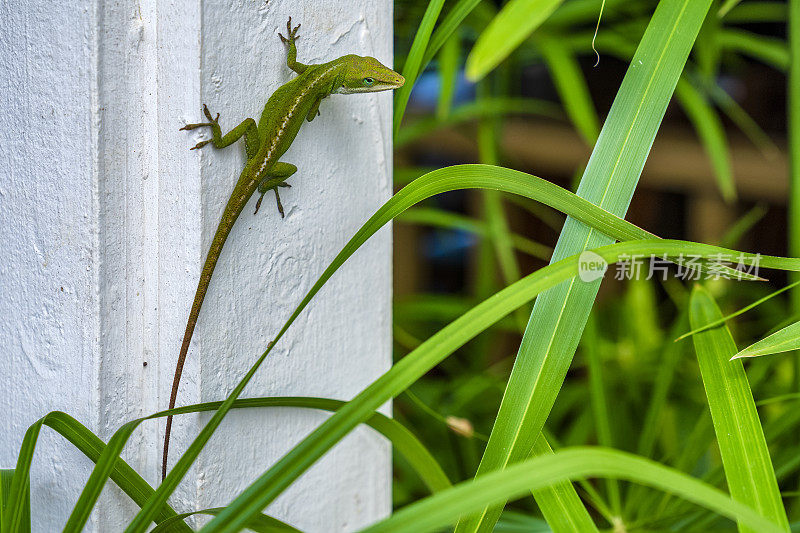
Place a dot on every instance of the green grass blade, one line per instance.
(743, 120)
(754, 12)
(449, 24)
(707, 51)
(487, 107)
(571, 463)
(741, 311)
(18, 493)
(89, 444)
(512, 25)
(726, 7)
(793, 149)
(440, 218)
(609, 181)
(414, 64)
(492, 203)
(403, 441)
(560, 505)
(445, 30)
(743, 225)
(442, 180)
(514, 522)
(23, 524)
(783, 340)
(571, 86)
(448, 75)
(770, 51)
(712, 134)
(599, 405)
(668, 361)
(745, 457)
(577, 13)
(430, 353)
(6, 479)
(260, 524)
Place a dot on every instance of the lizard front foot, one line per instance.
(292, 33)
(212, 121)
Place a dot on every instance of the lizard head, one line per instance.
(367, 75)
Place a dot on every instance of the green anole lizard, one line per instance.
(265, 143)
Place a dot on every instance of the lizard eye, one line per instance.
(369, 81)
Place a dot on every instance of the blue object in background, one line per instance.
(425, 94)
(448, 246)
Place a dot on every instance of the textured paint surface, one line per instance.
(105, 217)
(148, 58)
(48, 297)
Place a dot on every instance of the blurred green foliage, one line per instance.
(630, 386)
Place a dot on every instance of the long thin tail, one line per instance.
(236, 203)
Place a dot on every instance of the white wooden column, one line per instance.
(106, 216)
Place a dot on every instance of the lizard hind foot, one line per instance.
(199, 145)
(212, 121)
(258, 203)
(207, 113)
(280, 205)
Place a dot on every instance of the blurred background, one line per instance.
(717, 173)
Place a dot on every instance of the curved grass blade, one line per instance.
(413, 65)
(559, 503)
(446, 219)
(404, 442)
(442, 180)
(743, 225)
(577, 13)
(571, 86)
(24, 521)
(742, 120)
(448, 75)
(487, 107)
(445, 30)
(90, 445)
(726, 7)
(783, 340)
(499, 234)
(260, 524)
(741, 311)
(559, 315)
(671, 354)
(793, 150)
(430, 353)
(599, 404)
(514, 522)
(772, 52)
(449, 24)
(712, 134)
(755, 12)
(125, 477)
(512, 25)
(745, 457)
(568, 464)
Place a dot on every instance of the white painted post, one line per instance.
(106, 216)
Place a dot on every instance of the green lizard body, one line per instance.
(265, 142)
